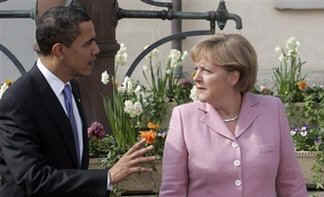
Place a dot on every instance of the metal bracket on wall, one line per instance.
(220, 16)
(13, 58)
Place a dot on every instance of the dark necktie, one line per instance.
(67, 93)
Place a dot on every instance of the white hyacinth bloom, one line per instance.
(175, 57)
(128, 84)
(3, 88)
(105, 77)
(281, 58)
(194, 93)
(145, 68)
(121, 56)
(133, 109)
(138, 91)
(121, 89)
(292, 44)
(155, 53)
(278, 49)
(184, 55)
(138, 108)
(262, 88)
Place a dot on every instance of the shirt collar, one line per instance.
(55, 83)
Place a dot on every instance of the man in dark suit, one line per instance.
(43, 138)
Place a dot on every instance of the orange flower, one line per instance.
(149, 136)
(302, 85)
(151, 125)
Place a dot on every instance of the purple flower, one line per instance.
(96, 130)
(318, 141)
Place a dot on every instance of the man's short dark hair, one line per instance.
(58, 25)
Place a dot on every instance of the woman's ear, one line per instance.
(234, 77)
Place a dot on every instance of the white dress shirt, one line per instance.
(57, 86)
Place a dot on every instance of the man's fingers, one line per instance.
(141, 160)
(136, 146)
(139, 169)
(141, 152)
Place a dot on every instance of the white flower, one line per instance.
(278, 49)
(138, 108)
(138, 91)
(194, 93)
(3, 88)
(121, 56)
(184, 55)
(121, 89)
(105, 77)
(133, 109)
(303, 133)
(155, 53)
(175, 57)
(303, 128)
(281, 58)
(145, 68)
(292, 44)
(292, 132)
(291, 52)
(262, 88)
(128, 84)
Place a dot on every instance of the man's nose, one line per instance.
(96, 49)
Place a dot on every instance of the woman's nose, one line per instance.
(196, 75)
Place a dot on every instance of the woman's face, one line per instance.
(213, 82)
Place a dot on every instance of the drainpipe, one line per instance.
(176, 25)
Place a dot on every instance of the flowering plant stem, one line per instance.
(121, 125)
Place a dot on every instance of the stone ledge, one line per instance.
(299, 4)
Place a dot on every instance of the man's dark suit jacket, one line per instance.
(37, 152)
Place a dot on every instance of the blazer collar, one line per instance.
(54, 108)
(249, 112)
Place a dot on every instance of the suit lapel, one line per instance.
(249, 112)
(212, 119)
(54, 108)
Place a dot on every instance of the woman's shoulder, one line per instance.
(264, 99)
(189, 107)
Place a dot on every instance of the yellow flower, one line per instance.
(149, 136)
(151, 125)
(302, 85)
(8, 82)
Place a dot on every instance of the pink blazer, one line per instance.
(203, 159)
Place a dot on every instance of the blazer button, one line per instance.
(238, 182)
(235, 145)
(237, 163)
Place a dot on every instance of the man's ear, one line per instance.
(58, 50)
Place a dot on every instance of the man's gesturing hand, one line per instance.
(130, 162)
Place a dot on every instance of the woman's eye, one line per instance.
(206, 70)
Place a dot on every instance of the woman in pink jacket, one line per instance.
(230, 143)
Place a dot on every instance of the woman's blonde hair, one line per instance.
(234, 53)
